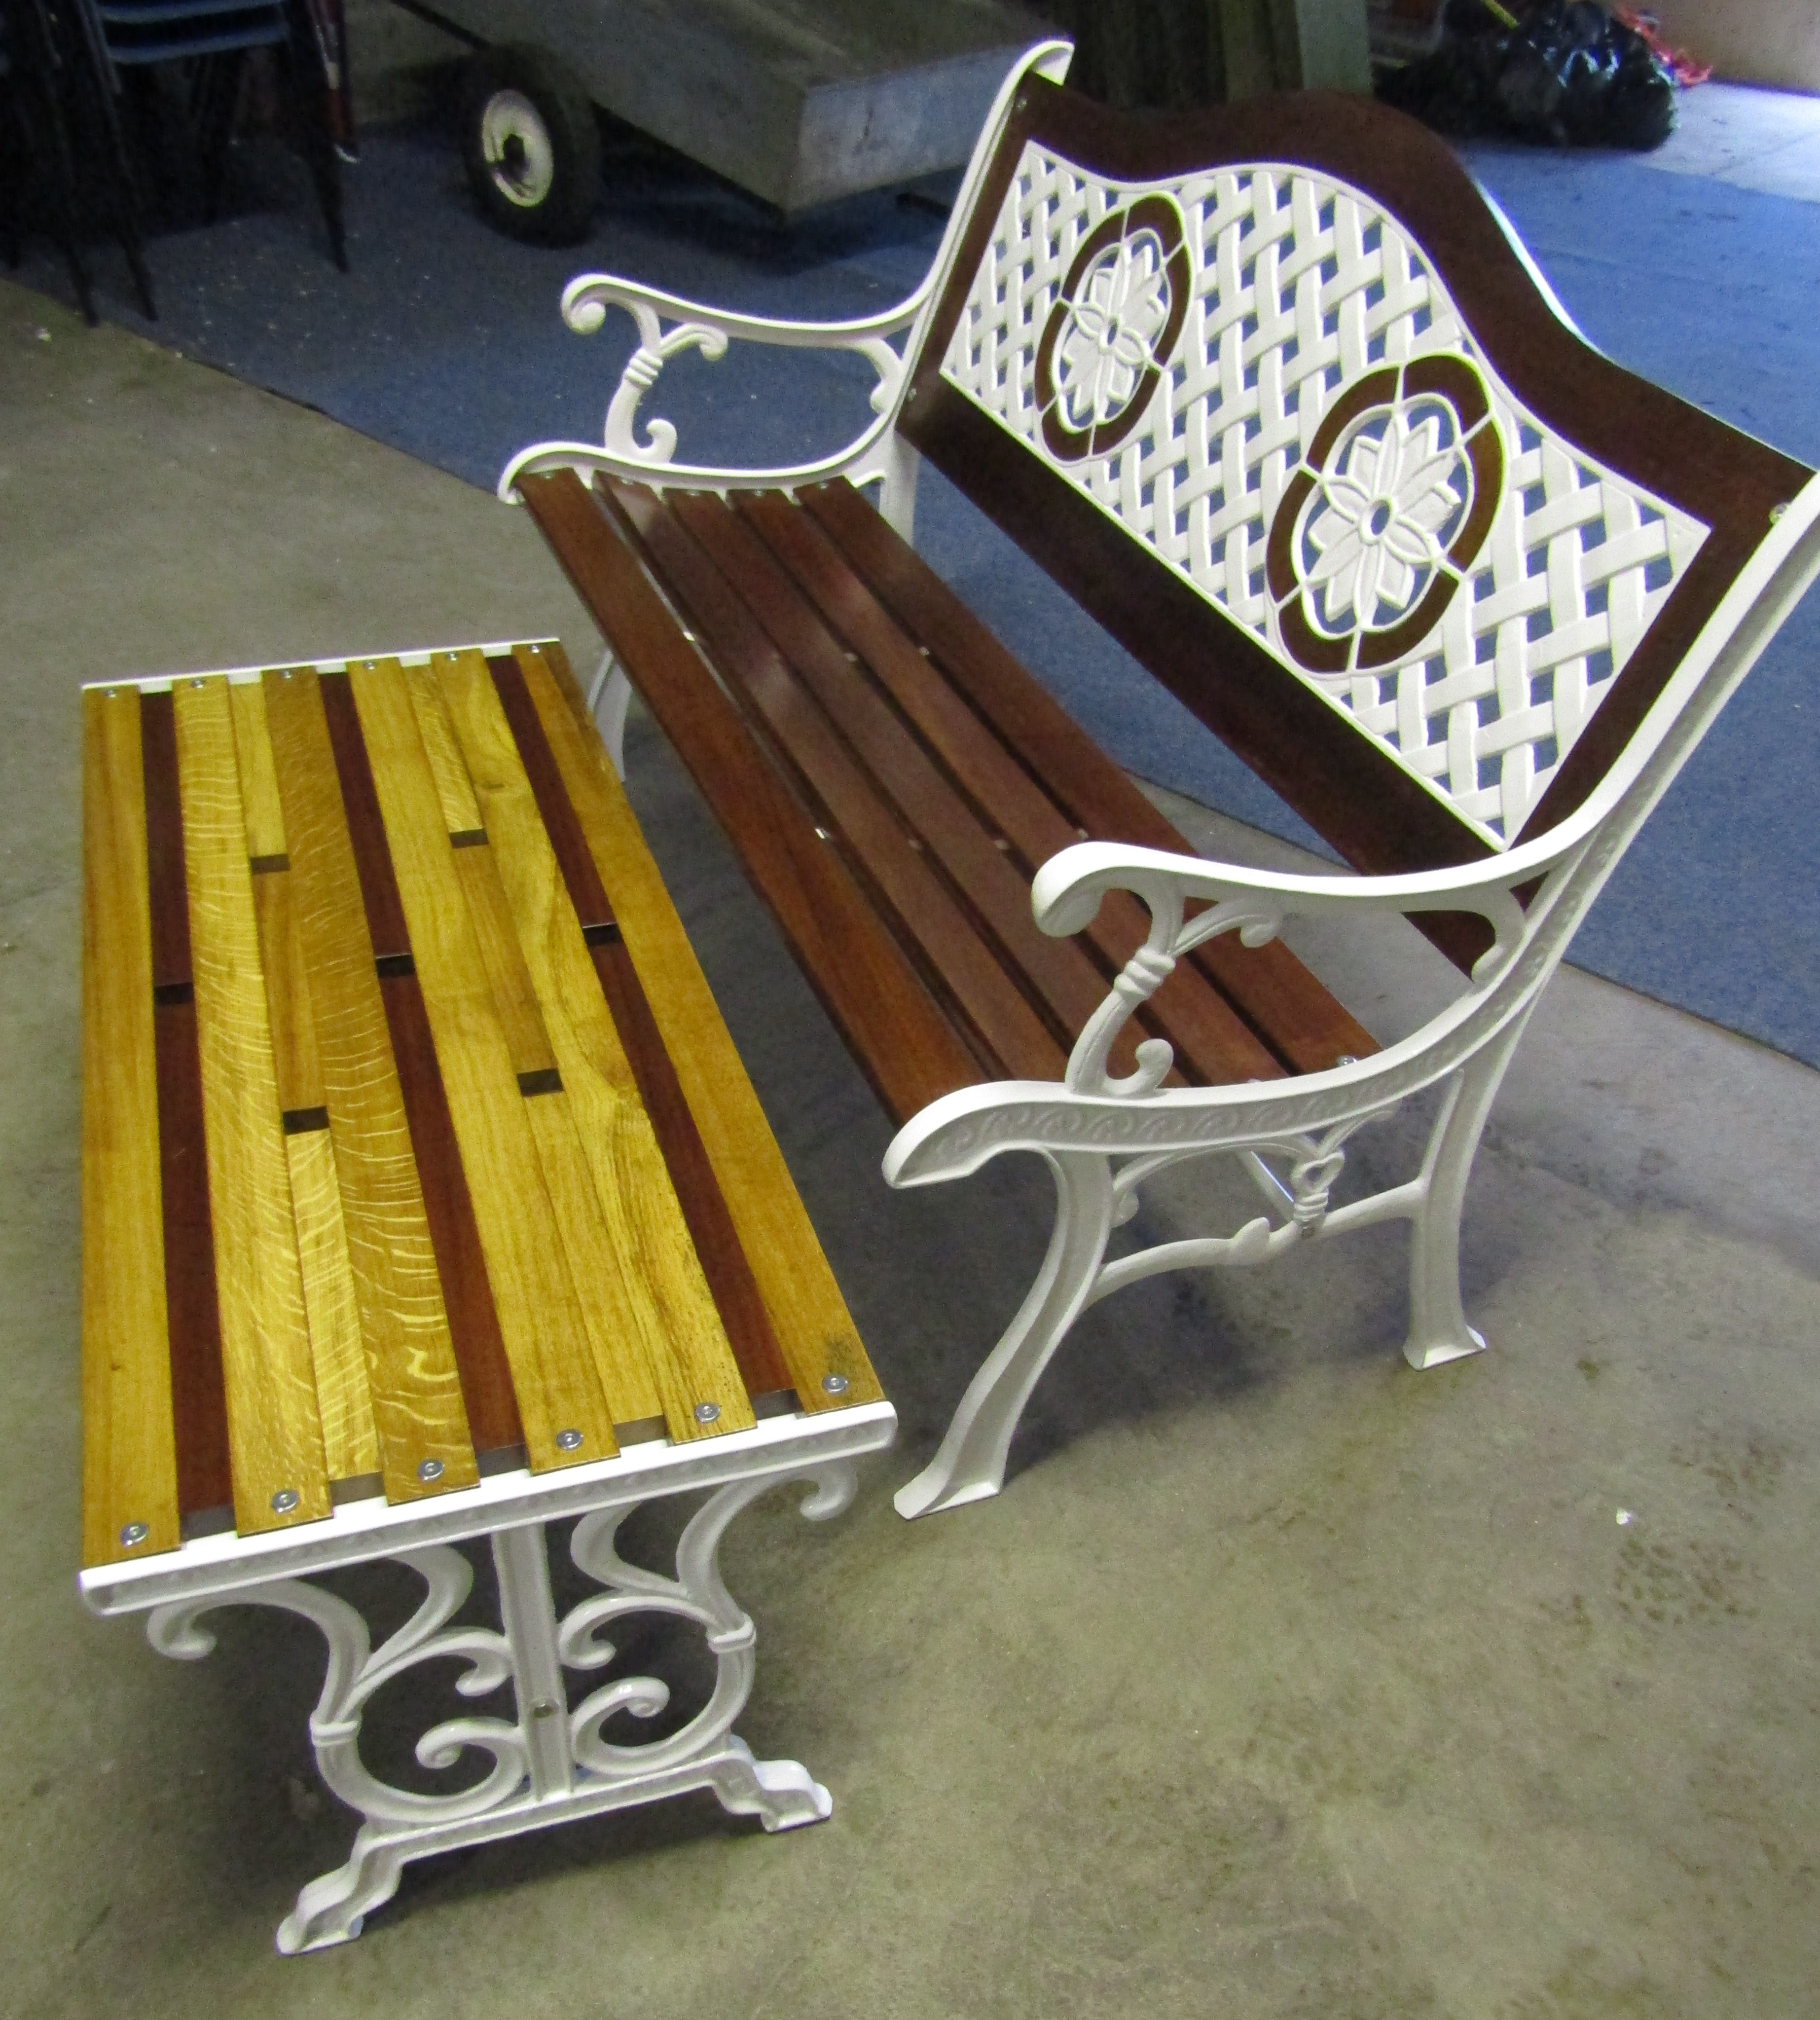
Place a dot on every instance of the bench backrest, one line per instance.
(1272, 393)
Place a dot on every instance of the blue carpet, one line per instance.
(445, 341)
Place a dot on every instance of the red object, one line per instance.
(1686, 70)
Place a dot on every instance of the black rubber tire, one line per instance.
(542, 181)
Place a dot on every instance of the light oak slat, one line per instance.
(258, 781)
(412, 1383)
(274, 1431)
(540, 1318)
(815, 1330)
(454, 789)
(514, 996)
(635, 1239)
(130, 1467)
(351, 1446)
(277, 904)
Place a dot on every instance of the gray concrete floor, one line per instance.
(1281, 1681)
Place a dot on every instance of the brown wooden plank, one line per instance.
(351, 1446)
(198, 1389)
(610, 1005)
(953, 958)
(815, 1331)
(258, 783)
(277, 902)
(674, 1326)
(360, 810)
(454, 793)
(1056, 977)
(1307, 1028)
(514, 997)
(129, 1463)
(553, 1375)
(275, 1432)
(907, 1048)
(423, 1406)
(1212, 1040)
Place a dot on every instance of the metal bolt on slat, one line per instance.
(431, 1469)
(134, 1534)
(569, 1441)
(835, 1384)
(708, 1413)
(284, 1500)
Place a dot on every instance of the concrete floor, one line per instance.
(1281, 1681)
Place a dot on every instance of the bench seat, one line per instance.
(892, 779)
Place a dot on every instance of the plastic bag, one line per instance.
(1565, 74)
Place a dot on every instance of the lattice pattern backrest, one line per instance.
(1256, 372)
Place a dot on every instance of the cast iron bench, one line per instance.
(1273, 394)
(425, 1198)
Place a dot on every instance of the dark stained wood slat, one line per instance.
(909, 1051)
(1062, 983)
(957, 962)
(1207, 1032)
(1306, 1027)
(474, 1326)
(704, 1210)
(198, 1385)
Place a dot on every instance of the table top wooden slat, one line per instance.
(461, 812)
(554, 1376)
(275, 1433)
(815, 1332)
(259, 780)
(1211, 1039)
(129, 1448)
(662, 1319)
(1304, 1025)
(351, 1446)
(420, 1412)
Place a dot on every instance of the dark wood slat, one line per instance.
(164, 835)
(474, 1325)
(379, 886)
(1062, 984)
(1210, 1037)
(910, 1053)
(704, 1210)
(956, 961)
(1277, 997)
(198, 1387)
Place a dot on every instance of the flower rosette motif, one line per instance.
(1376, 531)
(1111, 331)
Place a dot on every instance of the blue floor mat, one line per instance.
(445, 340)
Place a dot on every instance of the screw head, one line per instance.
(1776, 512)
(543, 1708)
(708, 1413)
(284, 1500)
(1347, 1059)
(114, 694)
(569, 1441)
(195, 684)
(134, 1534)
(835, 1384)
(431, 1469)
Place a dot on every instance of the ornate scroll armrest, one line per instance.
(669, 324)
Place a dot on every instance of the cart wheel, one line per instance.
(531, 146)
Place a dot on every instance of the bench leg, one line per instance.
(970, 1465)
(551, 1760)
(1438, 1331)
(609, 695)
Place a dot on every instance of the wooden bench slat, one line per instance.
(198, 1389)
(666, 1348)
(819, 1344)
(258, 781)
(1212, 1041)
(957, 965)
(129, 1445)
(275, 1432)
(351, 1445)
(454, 794)
(1056, 977)
(909, 1051)
(277, 901)
(554, 1375)
(1302, 1024)
(434, 1369)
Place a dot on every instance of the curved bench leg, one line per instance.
(970, 1465)
(1438, 1331)
(608, 696)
